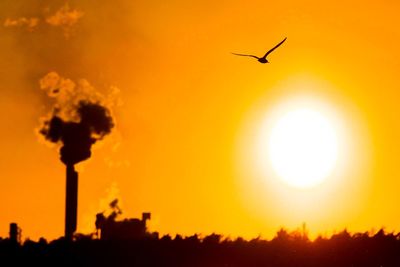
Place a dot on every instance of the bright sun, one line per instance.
(303, 147)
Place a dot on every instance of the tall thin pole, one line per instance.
(71, 202)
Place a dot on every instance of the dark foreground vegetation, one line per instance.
(285, 250)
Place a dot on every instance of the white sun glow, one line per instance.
(303, 147)
(300, 147)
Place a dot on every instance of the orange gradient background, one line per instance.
(183, 144)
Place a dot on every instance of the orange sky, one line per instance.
(190, 109)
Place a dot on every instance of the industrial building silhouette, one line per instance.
(109, 228)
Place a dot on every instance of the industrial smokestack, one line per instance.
(71, 202)
(79, 119)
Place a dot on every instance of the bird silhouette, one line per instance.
(264, 58)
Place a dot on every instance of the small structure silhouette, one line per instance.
(15, 233)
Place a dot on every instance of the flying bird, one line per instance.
(264, 58)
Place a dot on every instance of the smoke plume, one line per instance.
(29, 23)
(79, 117)
(65, 18)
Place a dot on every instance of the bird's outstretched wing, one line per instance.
(275, 47)
(244, 55)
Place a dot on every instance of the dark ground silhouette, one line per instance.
(285, 250)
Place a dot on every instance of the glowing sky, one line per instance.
(187, 107)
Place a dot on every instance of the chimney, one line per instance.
(15, 233)
(71, 202)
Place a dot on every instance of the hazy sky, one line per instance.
(188, 110)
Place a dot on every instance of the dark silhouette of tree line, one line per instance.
(286, 249)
